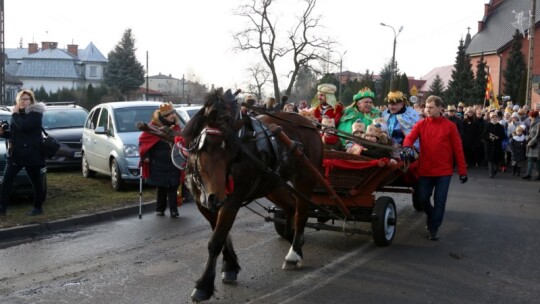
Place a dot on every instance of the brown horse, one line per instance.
(235, 159)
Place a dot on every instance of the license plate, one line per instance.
(77, 154)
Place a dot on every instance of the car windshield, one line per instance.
(63, 118)
(126, 118)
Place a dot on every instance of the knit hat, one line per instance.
(515, 115)
(166, 108)
(515, 108)
(509, 110)
(364, 93)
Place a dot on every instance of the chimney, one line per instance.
(480, 26)
(32, 48)
(45, 45)
(73, 49)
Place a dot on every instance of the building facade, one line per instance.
(54, 68)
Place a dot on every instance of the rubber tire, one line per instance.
(383, 212)
(116, 179)
(280, 228)
(418, 206)
(86, 172)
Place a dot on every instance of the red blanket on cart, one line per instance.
(330, 164)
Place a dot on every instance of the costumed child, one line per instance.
(358, 130)
(518, 146)
(329, 137)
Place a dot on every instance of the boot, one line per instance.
(514, 170)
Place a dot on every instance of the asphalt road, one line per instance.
(488, 253)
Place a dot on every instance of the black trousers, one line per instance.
(166, 195)
(34, 173)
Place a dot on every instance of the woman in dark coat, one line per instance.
(157, 164)
(493, 136)
(471, 137)
(23, 140)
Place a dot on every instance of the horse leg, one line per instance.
(230, 267)
(285, 200)
(204, 289)
(294, 257)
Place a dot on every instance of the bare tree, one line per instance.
(261, 35)
(258, 78)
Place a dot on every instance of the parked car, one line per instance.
(64, 121)
(186, 112)
(110, 141)
(22, 184)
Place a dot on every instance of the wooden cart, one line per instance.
(354, 180)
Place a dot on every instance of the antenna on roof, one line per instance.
(21, 43)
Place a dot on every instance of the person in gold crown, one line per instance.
(327, 104)
(399, 117)
(157, 165)
(361, 109)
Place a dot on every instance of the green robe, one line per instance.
(352, 114)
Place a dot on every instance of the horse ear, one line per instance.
(238, 124)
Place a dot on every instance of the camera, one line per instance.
(4, 124)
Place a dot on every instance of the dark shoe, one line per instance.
(433, 236)
(174, 214)
(526, 177)
(160, 213)
(35, 211)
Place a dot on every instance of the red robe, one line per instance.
(146, 141)
(334, 113)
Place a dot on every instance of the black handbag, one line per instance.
(49, 145)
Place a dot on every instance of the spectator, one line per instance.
(533, 148)
(441, 147)
(271, 104)
(157, 165)
(493, 136)
(284, 101)
(518, 146)
(24, 137)
(455, 119)
(471, 137)
(289, 107)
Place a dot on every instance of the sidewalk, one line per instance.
(19, 233)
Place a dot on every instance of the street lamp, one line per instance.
(394, 51)
(340, 71)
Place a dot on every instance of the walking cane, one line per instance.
(140, 191)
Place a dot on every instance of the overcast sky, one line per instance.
(195, 37)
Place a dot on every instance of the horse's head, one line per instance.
(211, 136)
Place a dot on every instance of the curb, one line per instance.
(35, 230)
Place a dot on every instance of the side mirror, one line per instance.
(100, 130)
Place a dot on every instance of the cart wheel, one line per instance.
(416, 199)
(280, 228)
(383, 224)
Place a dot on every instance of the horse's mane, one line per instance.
(215, 113)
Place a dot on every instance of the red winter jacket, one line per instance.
(440, 147)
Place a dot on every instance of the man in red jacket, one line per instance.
(440, 148)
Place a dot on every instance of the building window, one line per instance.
(93, 71)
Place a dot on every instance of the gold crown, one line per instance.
(166, 108)
(396, 96)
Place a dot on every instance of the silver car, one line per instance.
(110, 141)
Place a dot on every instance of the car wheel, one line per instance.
(116, 177)
(86, 172)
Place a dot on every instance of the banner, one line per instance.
(490, 97)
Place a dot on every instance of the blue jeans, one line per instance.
(435, 212)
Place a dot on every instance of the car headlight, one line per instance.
(131, 150)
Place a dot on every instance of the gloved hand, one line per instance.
(463, 179)
(407, 153)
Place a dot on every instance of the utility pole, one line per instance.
(532, 21)
(340, 72)
(147, 83)
(393, 75)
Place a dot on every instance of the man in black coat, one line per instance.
(493, 136)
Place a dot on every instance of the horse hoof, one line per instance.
(291, 265)
(199, 295)
(229, 277)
